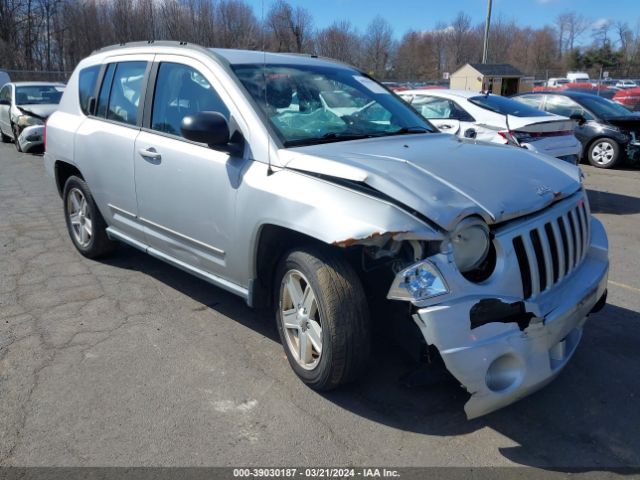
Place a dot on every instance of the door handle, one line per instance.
(446, 126)
(150, 153)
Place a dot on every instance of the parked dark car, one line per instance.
(609, 132)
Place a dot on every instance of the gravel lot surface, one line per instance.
(129, 361)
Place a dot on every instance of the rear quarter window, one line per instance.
(87, 86)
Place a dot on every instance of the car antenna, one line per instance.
(264, 82)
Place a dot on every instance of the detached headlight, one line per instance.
(470, 241)
(28, 121)
(420, 281)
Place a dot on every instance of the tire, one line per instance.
(604, 153)
(4, 138)
(15, 138)
(85, 224)
(339, 318)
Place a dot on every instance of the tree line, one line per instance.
(53, 35)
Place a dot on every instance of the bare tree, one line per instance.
(236, 25)
(339, 41)
(291, 27)
(378, 47)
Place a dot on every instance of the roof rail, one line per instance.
(146, 43)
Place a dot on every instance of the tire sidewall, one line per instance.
(319, 374)
(76, 182)
(616, 153)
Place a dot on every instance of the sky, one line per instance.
(404, 15)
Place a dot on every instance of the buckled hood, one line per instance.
(39, 111)
(443, 177)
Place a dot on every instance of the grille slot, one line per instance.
(552, 250)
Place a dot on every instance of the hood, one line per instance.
(39, 111)
(443, 177)
(628, 122)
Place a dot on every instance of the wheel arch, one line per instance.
(62, 171)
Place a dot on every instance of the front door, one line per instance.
(186, 191)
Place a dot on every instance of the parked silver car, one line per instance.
(24, 107)
(228, 164)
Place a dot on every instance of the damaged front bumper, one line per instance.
(31, 138)
(502, 360)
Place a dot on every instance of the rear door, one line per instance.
(186, 191)
(105, 141)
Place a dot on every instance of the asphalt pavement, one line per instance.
(129, 361)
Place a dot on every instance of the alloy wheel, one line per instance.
(79, 217)
(301, 322)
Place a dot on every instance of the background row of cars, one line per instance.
(567, 123)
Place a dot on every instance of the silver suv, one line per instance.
(303, 185)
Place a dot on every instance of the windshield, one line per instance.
(506, 106)
(604, 108)
(38, 95)
(309, 104)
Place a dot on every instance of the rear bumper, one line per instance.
(500, 362)
(567, 147)
(31, 137)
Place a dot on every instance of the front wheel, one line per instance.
(604, 153)
(322, 317)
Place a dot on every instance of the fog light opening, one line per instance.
(504, 373)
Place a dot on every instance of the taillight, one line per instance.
(509, 138)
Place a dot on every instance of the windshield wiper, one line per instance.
(328, 138)
(408, 130)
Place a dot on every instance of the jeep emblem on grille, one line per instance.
(542, 189)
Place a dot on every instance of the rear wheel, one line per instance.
(322, 317)
(604, 153)
(85, 224)
(4, 138)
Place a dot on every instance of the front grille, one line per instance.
(550, 251)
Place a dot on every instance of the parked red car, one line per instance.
(629, 98)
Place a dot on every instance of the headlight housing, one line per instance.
(28, 121)
(420, 281)
(470, 242)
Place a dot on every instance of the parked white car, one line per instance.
(557, 82)
(575, 77)
(24, 108)
(493, 118)
(626, 84)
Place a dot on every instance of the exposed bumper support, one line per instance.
(500, 362)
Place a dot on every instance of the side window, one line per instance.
(180, 91)
(460, 113)
(434, 108)
(126, 88)
(534, 101)
(4, 93)
(87, 85)
(103, 96)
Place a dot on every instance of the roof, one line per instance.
(495, 69)
(38, 84)
(238, 57)
(443, 92)
(232, 56)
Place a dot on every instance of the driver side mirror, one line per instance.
(206, 127)
(578, 118)
(470, 133)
